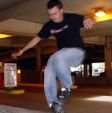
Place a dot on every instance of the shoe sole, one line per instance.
(59, 110)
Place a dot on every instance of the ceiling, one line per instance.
(27, 16)
(24, 18)
(35, 10)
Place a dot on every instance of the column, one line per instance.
(108, 56)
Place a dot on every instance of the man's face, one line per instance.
(56, 14)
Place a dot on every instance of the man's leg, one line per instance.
(50, 83)
(50, 87)
(64, 59)
(59, 66)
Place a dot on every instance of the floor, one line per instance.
(84, 100)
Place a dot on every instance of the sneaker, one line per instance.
(57, 107)
(64, 95)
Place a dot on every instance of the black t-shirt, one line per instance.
(66, 32)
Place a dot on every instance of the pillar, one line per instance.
(108, 56)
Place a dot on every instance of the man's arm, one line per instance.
(31, 44)
(88, 22)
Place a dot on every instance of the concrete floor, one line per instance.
(84, 100)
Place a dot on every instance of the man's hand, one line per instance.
(15, 55)
(88, 23)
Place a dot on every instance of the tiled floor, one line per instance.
(84, 100)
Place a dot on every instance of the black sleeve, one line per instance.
(78, 20)
(44, 32)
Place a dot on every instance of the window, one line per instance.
(98, 68)
(78, 70)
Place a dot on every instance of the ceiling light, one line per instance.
(2, 35)
(100, 12)
(19, 71)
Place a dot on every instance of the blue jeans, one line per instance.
(58, 66)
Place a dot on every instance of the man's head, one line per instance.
(55, 10)
(53, 3)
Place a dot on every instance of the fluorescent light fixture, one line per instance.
(2, 35)
(104, 18)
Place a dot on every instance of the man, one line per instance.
(65, 27)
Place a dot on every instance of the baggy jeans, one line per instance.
(58, 66)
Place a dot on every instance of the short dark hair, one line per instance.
(52, 3)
